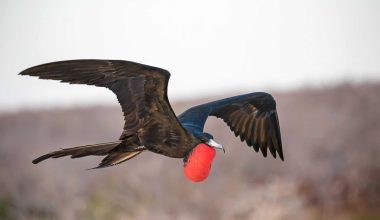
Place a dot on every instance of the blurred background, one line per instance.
(319, 59)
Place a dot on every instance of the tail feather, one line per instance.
(115, 158)
(81, 151)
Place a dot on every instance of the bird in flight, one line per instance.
(150, 122)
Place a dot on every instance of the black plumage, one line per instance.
(150, 122)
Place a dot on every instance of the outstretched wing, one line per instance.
(140, 89)
(253, 117)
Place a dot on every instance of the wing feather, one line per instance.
(248, 133)
(263, 136)
(242, 128)
(140, 89)
(252, 117)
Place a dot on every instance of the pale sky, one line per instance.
(210, 47)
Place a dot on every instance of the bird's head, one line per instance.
(209, 140)
(197, 163)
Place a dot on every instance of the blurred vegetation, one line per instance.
(331, 170)
(4, 209)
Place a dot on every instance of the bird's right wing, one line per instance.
(140, 89)
(252, 117)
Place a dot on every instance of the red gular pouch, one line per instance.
(198, 163)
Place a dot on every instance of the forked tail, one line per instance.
(114, 154)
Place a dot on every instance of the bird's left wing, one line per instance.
(140, 89)
(253, 117)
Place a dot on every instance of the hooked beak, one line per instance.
(213, 144)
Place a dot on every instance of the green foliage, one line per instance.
(366, 215)
(98, 208)
(4, 209)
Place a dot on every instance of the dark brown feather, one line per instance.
(253, 118)
(116, 158)
(81, 151)
(248, 133)
(262, 137)
(142, 93)
(256, 133)
(242, 128)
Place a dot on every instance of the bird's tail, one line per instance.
(113, 157)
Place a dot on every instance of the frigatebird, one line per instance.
(150, 122)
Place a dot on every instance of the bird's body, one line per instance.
(150, 122)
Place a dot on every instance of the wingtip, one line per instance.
(280, 153)
(264, 152)
(25, 73)
(32, 71)
(281, 157)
